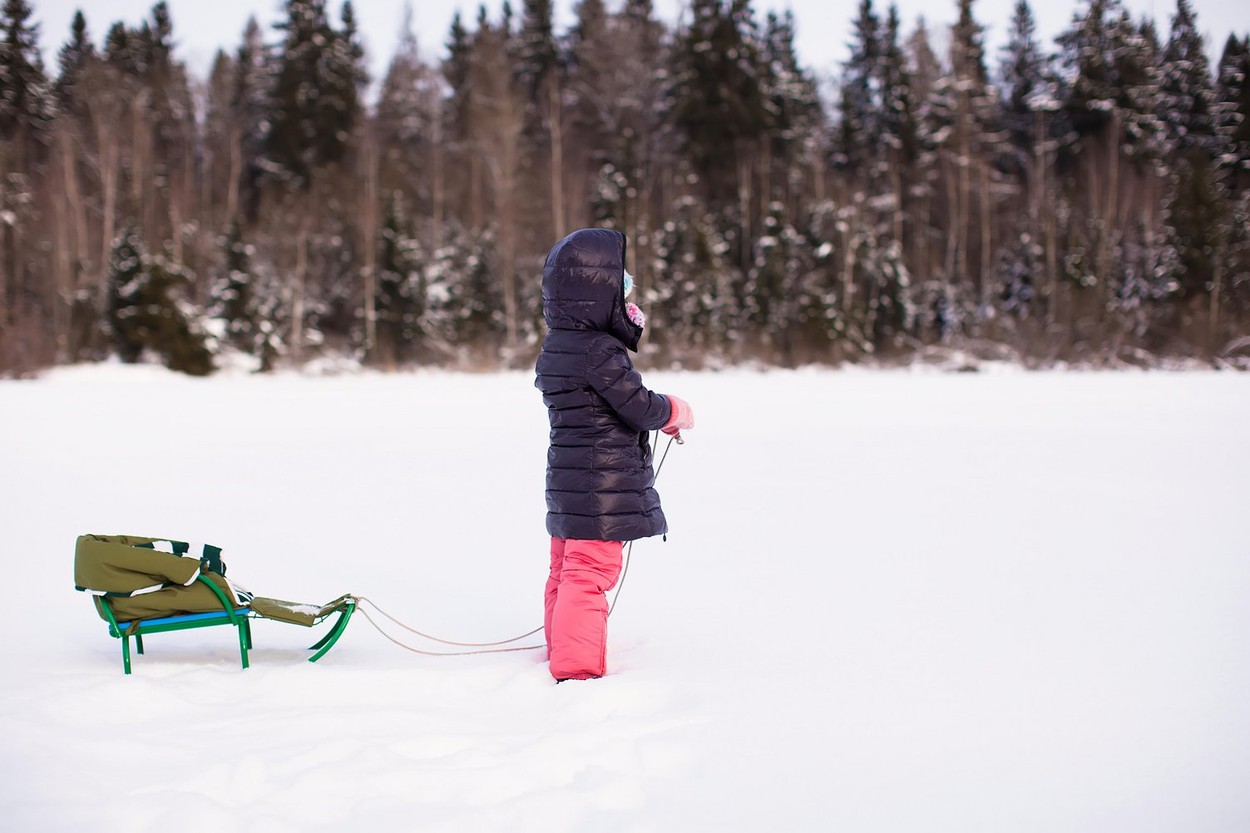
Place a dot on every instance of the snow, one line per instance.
(890, 601)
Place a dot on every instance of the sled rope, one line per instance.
(479, 647)
(494, 647)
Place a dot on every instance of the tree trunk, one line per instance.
(369, 240)
(744, 154)
(475, 187)
(555, 121)
(108, 148)
(952, 224)
(1043, 230)
(300, 282)
(962, 224)
(1213, 312)
(234, 174)
(438, 196)
(987, 238)
(1109, 215)
(5, 243)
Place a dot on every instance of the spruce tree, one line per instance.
(72, 61)
(149, 312)
(314, 100)
(1195, 210)
(234, 299)
(1023, 76)
(401, 294)
(1087, 63)
(859, 110)
(795, 115)
(1138, 82)
(539, 57)
(25, 117)
(456, 68)
(539, 69)
(408, 124)
(249, 112)
(1232, 112)
(899, 128)
(1185, 107)
(25, 105)
(591, 74)
(246, 302)
(717, 99)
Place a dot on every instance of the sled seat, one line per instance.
(228, 615)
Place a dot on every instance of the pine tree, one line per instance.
(1023, 76)
(149, 312)
(25, 95)
(796, 118)
(408, 123)
(497, 117)
(1186, 86)
(591, 74)
(963, 112)
(122, 49)
(860, 109)
(1137, 78)
(464, 301)
(697, 297)
(717, 100)
(72, 61)
(539, 57)
(314, 99)
(619, 131)
(1087, 63)
(900, 133)
(25, 116)
(247, 302)
(1232, 112)
(249, 112)
(1195, 216)
(314, 109)
(401, 293)
(456, 65)
(456, 70)
(967, 47)
(539, 69)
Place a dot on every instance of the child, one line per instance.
(599, 476)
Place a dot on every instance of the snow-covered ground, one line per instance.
(892, 601)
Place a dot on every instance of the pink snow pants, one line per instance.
(576, 621)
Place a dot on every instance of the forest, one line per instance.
(1082, 203)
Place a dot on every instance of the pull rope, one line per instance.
(479, 647)
(494, 647)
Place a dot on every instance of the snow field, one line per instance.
(889, 601)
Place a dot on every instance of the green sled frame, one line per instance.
(238, 617)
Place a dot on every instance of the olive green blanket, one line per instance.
(146, 578)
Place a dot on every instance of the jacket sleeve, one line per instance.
(614, 378)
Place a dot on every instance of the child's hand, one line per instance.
(681, 418)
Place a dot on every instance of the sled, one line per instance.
(139, 590)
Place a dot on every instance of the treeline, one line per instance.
(1085, 202)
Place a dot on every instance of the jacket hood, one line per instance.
(584, 285)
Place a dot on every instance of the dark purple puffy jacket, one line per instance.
(599, 464)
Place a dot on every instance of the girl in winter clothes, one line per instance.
(599, 465)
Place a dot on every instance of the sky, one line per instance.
(823, 27)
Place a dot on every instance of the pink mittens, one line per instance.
(680, 419)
